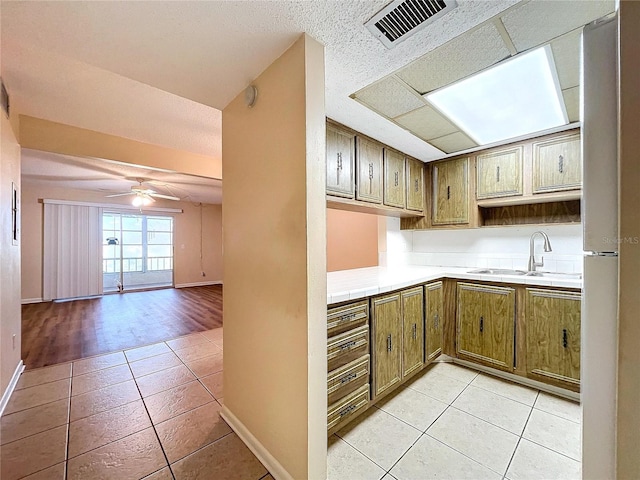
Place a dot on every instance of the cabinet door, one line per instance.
(485, 326)
(340, 161)
(369, 170)
(499, 173)
(415, 185)
(433, 319)
(394, 177)
(412, 330)
(387, 342)
(553, 334)
(557, 164)
(451, 192)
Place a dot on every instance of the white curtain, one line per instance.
(72, 251)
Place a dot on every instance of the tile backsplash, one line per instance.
(489, 247)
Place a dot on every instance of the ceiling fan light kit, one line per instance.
(143, 197)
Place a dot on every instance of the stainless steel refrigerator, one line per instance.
(600, 236)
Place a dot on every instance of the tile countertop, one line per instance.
(364, 282)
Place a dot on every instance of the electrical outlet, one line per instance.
(13, 341)
(203, 274)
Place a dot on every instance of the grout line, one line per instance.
(557, 416)
(461, 453)
(521, 437)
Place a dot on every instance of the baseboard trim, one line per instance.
(276, 470)
(11, 387)
(25, 301)
(561, 392)
(198, 284)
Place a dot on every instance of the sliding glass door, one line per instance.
(137, 251)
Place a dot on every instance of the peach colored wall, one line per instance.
(352, 240)
(275, 336)
(187, 266)
(55, 137)
(628, 425)
(10, 316)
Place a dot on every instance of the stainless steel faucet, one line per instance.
(532, 258)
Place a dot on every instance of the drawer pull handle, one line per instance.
(347, 345)
(346, 318)
(389, 344)
(347, 410)
(565, 343)
(415, 331)
(348, 378)
(481, 324)
(560, 164)
(448, 192)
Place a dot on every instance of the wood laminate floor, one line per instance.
(57, 332)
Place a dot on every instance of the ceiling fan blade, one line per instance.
(119, 194)
(168, 197)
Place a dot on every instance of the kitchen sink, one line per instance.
(555, 274)
(498, 271)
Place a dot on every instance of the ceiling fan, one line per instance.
(143, 196)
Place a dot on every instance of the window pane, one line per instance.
(108, 222)
(132, 251)
(159, 251)
(159, 224)
(130, 222)
(110, 251)
(132, 238)
(155, 238)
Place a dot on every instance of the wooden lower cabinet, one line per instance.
(434, 315)
(412, 330)
(386, 339)
(552, 319)
(485, 325)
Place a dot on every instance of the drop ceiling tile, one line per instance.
(566, 54)
(535, 23)
(389, 97)
(463, 56)
(572, 103)
(454, 142)
(426, 123)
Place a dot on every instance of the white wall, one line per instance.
(492, 247)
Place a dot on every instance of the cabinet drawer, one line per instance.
(347, 406)
(346, 379)
(346, 317)
(347, 346)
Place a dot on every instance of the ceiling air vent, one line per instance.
(402, 18)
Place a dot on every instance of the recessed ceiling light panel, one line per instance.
(517, 97)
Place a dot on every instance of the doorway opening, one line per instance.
(137, 251)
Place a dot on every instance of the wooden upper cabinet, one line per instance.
(415, 185)
(434, 308)
(340, 162)
(394, 178)
(412, 330)
(386, 336)
(485, 324)
(499, 173)
(369, 157)
(450, 195)
(557, 164)
(553, 334)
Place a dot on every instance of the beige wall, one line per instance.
(352, 240)
(10, 317)
(187, 265)
(275, 264)
(55, 137)
(628, 427)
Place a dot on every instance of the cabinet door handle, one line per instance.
(498, 173)
(415, 331)
(395, 175)
(389, 344)
(339, 160)
(448, 192)
(417, 184)
(565, 343)
(371, 171)
(481, 324)
(436, 320)
(560, 164)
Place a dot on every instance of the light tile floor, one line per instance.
(453, 422)
(150, 412)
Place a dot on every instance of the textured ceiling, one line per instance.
(206, 52)
(54, 170)
(522, 27)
